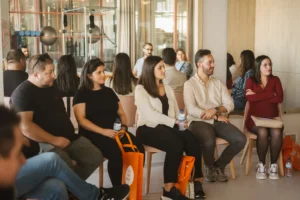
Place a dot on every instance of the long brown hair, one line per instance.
(147, 78)
(258, 62)
(247, 61)
(122, 77)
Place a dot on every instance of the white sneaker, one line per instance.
(273, 172)
(261, 171)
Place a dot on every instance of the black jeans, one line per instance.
(207, 133)
(174, 143)
(112, 152)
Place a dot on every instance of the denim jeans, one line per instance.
(47, 176)
(239, 104)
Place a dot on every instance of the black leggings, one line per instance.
(174, 143)
(266, 137)
(112, 152)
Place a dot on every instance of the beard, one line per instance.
(207, 71)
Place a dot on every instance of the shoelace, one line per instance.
(274, 168)
(261, 169)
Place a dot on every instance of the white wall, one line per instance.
(215, 33)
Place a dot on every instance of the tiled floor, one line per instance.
(244, 187)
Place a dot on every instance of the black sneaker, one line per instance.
(174, 194)
(210, 174)
(115, 193)
(199, 193)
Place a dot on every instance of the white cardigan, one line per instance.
(149, 109)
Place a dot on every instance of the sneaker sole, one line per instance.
(273, 178)
(164, 198)
(261, 178)
(124, 198)
(210, 180)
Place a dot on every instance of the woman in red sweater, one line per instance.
(264, 93)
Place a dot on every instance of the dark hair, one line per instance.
(179, 49)
(230, 62)
(15, 55)
(147, 43)
(9, 119)
(122, 77)
(147, 78)
(169, 56)
(38, 62)
(247, 61)
(258, 61)
(23, 46)
(200, 54)
(67, 80)
(88, 68)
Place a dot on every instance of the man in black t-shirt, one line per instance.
(15, 73)
(44, 118)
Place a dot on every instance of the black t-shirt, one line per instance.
(165, 104)
(48, 108)
(7, 193)
(12, 79)
(101, 107)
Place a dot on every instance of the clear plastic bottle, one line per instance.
(288, 168)
(181, 120)
(117, 125)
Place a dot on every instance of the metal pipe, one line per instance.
(63, 35)
(85, 36)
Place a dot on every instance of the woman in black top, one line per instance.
(96, 109)
(158, 127)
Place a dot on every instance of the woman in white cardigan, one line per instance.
(157, 127)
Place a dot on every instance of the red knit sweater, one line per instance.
(264, 103)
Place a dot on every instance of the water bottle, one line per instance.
(117, 125)
(181, 120)
(288, 168)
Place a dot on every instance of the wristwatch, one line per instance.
(217, 109)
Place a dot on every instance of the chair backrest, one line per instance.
(247, 107)
(180, 101)
(68, 101)
(129, 108)
(6, 102)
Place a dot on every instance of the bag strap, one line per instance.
(130, 145)
(182, 66)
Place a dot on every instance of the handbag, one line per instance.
(190, 188)
(132, 173)
(276, 122)
(184, 173)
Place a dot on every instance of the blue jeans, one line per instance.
(239, 104)
(47, 176)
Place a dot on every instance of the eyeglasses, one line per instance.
(42, 58)
(148, 49)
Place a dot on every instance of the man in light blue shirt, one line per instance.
(138, 68)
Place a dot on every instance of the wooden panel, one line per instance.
(241, 27)
(278, 36)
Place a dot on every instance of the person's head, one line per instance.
(153, 73)
(41, 70)
(247, 61)
(204, 62)
(169, 56)
(263, 67)
(147, 49)
(122, 75)
(17, 58)
(230, 62)
(92, 75)
(66, 77)
(181, 56)
(25, 51)
(11, 143)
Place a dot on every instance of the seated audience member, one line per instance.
(96, 108)
(67, 80)
(233, 68)
(247, 70)
(173, 77)
(182, 64)
(158, 127)
(15, 73)
(264, 93)
(24, 49)
(44, 118)
(138, 68)
(207, 101)
(123, 82)
(45, 176)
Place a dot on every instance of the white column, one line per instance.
(215, 33)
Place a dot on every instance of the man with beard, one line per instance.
(207, 101)
(138, 68)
